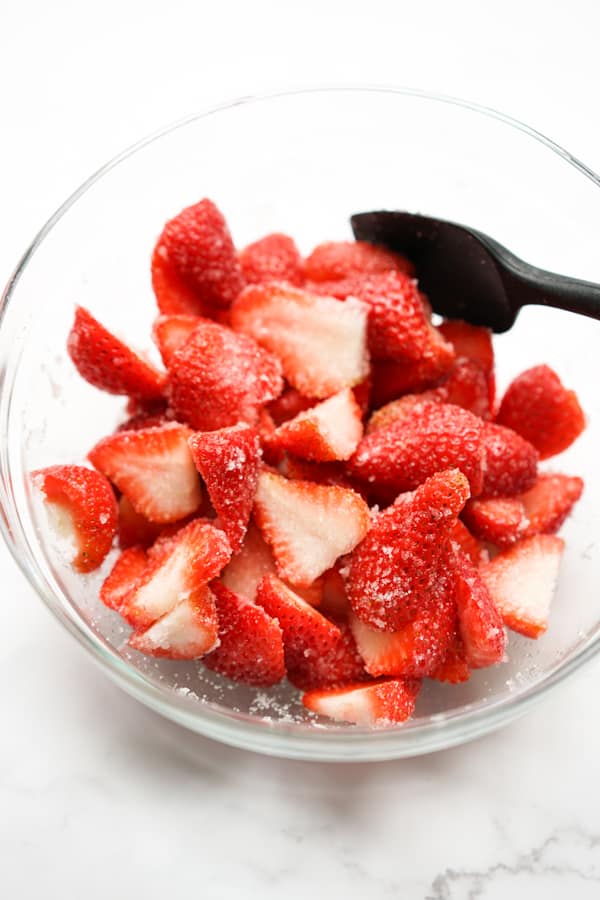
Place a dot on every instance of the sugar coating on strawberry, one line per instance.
(250, 641)
(399, 410)
(154, 468)
(454, 668)
(393, 572)
(467, 542)
(187, 631)
(106, 362)
(124, 575)
(274, 257)
(510, 462)
(228, 460)
(339, 665)
(479, 621)
(538, 407)
(87, 507)
(375, 705)
(198, 245)
(522, 582)
(308, 526)
(334, 260)
(219, 378)
(499, 520)
(169, 333)
(329, 431)
(322, 343)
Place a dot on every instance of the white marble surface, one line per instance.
(100, 797)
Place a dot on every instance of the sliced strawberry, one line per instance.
(272, 453)
(399, 410)
(288, 405)
(173, 295)
(362, 395)
(108, 363)
(522, 582)
(329, 431)
(154, 468)
(339, 665)
(393, 572)
(334, 601)
(272, 258)
(308, 526)
(250, 641)
(499, 520)
(218, 378)
(467, 385)
(321, 473)
(454, 668)
(123, 577)
(134, 528)
(169, 333)
(467, 542)
(510, 462)
(144, 420)
(538, 407)
(228, 460)
(187, 631)
(392, 379)
(471, 341)
(479, 622)
(321, 342)
(380, 703)
(178, 568)
(87, 510)
(334, 260)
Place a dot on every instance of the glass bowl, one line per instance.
(299, 162)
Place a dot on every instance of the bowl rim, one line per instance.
(244, 731)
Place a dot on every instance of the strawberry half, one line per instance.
(522, 582)
(467, 542)
(272, 258)
(510, 462)
(188, 631)
(124, 575)
(392, 378)
(479, 622)
(322, 343)
(169, 333)
(250, 641)
(335, 260)
(308, 526)
(339, 665)
(154, 468)
(134, 528)
(329, 431)
(454, 668)
(466, 385)
(472, 342)
(288, 405)
(228, 460)
(384, 702)
(109, 364)
(173, 295)
(87, 508)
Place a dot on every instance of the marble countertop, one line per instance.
(99, 796)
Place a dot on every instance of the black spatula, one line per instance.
(467, 275)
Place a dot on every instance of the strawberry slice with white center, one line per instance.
(169, 333)
(329, 431)
(321, 342)
(123, 577)
(308, 526)
(154, 468)
(384, 702)
(522, 582)
(479, 622)
(188, 631)
(178, 566)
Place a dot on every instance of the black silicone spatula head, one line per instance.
(467, 275)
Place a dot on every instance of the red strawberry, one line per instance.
(362, 395)
(272, 453)
(454, 668)
(471, 341)
(522, 582)
(499, 520)
(108, 363)
(128, 568)
(339, 665)
(250, 641)
(384, 702)
(321, 342)
(334, 260)
(228, 460)
(178, 568)
(394, 571)
(308, 525)
(169, 333)
(187, 631)
(154, 468)
(144, 420)
(399, 410)
(466, 385)
(434, 437)
(321, 473)
(479, 622)
(467, 542)
(334, 602)
(288, 405)
(173, 295)
(391, 378)
(218, 378)
(538, 407)
(272, 258)
(135, 528)
(198, 246)
(329, 431)
(87, 510)
(510, 462)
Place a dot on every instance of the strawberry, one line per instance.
(522, 582)
(394, 570)
(392, 378)
(228, 460)
(329, 431)
(479, 622)
(399, 410)
(362, 395)
(144, 420)
(218, 378)
(250, 641)
(380, 703)
(272, 258)
(499, 520)
(467, 542)
(187, 631)
(178, 568)
(134, 528)
(466, 385)
(272, 453)
(471, 342)
(173, 296)
(87, 510)
(288, 405)
(454, 668)
(321, 473)
(169, 333)
(129, 567)
(510, 462)
(434, 437)
(334, 601)
(198, 246)
(108, 363)
(335, 260)
(321, 342)
(538, 407)
(308, 526)
(339, 665)
(154, 468)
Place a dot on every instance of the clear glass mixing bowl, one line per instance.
(299, 162)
